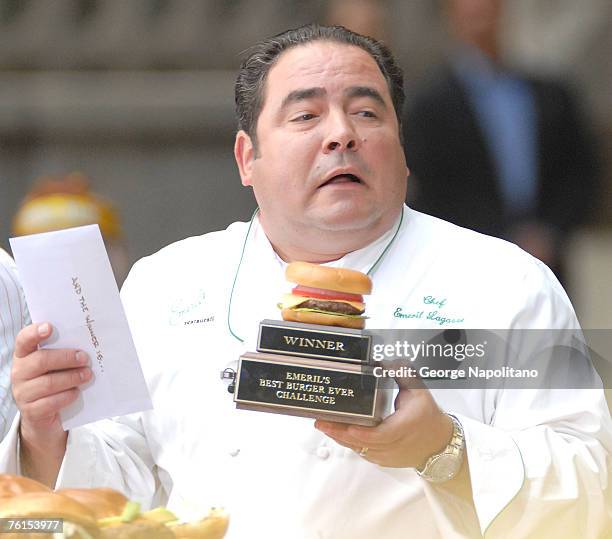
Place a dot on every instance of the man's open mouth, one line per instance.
(342, 178)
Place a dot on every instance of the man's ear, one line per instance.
(244, 152)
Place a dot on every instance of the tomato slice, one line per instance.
(321, 293)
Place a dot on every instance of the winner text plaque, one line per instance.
(314, 341)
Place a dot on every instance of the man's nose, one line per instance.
(341, 136)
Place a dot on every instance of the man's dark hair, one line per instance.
(249, 88)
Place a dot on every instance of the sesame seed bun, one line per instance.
(47, 505)
(14, 485)
(103, 502)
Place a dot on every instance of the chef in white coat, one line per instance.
(318, 142)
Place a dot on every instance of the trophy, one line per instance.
(311, 364)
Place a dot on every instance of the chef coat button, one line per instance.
(234, 452)
(323, 452)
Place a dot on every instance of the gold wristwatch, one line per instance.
(445, 465)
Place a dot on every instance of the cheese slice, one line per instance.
(292, 300)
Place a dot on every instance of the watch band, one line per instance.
(445, 465)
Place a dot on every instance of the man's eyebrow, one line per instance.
(302, 94)
(365, 91)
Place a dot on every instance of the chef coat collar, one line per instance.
(360, 260)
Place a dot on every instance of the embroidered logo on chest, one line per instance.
(191, 311)
(432, 308)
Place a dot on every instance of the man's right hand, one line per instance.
(44, 381)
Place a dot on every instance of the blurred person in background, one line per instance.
(495, 150)
(55, 203)
(13, 316)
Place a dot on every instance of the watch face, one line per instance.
(444, 467)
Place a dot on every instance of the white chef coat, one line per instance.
(13, 316)
(538, 459)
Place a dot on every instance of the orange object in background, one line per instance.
(59, 202)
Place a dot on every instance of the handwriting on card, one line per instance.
(89, 322)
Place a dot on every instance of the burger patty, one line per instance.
(330, 306)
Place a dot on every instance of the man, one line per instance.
(495, 150)
(13, 316)
(318, 112)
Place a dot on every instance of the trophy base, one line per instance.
(305, 387)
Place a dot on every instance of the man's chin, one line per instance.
(348, 220)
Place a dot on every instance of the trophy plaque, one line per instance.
(317, 342)
(313, 371)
